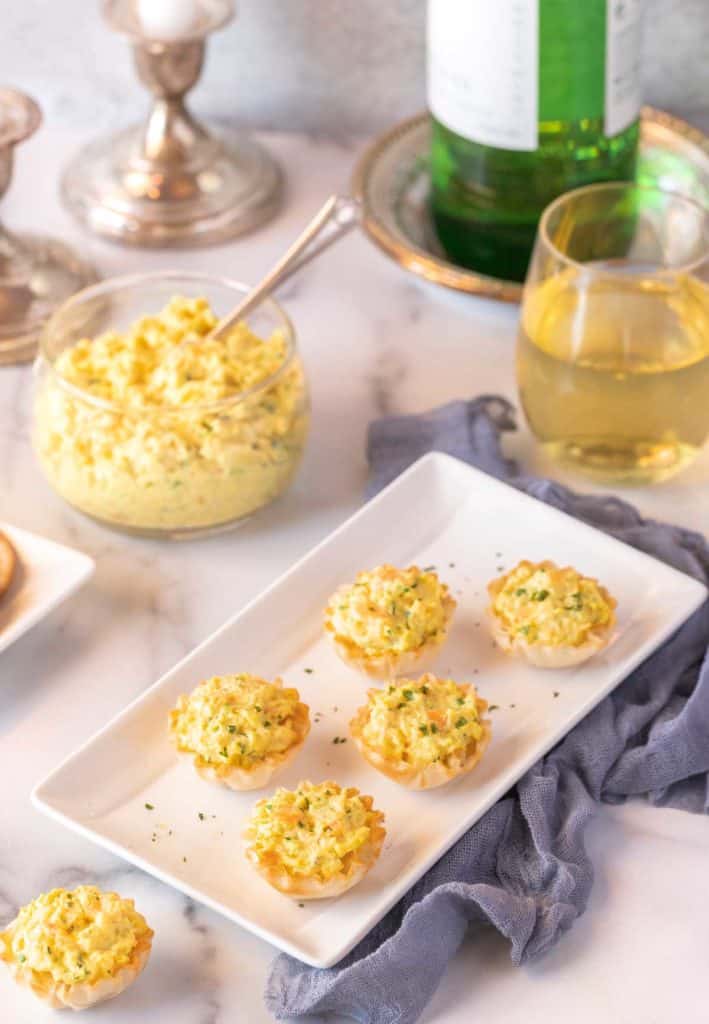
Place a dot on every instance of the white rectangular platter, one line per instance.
(45, 575)
(442, 513)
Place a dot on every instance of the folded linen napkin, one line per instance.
(523, 866)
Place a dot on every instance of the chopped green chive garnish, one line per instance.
(149, 807)
(461, 722)
(408, 694)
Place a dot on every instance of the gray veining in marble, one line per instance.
(332, 66)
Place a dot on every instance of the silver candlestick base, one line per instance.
(37, 274)
(170, 182)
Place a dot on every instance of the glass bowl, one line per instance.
(166, 466)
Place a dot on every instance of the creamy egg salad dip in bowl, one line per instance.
(75, 948)
(144, 424)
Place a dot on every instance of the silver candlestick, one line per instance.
(37, 273)
(171, 182)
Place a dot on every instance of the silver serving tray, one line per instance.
(391, 181)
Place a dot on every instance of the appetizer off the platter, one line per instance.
(76, 948)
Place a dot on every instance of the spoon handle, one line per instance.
(334, 219)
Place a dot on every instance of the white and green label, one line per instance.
(496, 68)
(482, 69)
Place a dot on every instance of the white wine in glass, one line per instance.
(613, 350)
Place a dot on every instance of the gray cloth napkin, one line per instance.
(523, 867)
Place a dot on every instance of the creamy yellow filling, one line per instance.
(551, 606)
(390, 610)
(422, 721)
(78, 936)
(311, 830)
(162, 459)
(165, 360)
(236, 720)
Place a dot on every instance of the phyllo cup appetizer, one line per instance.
(76, 948)
(554, 617)
(240, 730)
(390, 621)
(422, 733)
(316, 841)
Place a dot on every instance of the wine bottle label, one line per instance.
(482, 69)
(496, 69)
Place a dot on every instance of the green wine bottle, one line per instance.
(529, 98)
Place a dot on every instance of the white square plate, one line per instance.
(46, 574)
(440, 512)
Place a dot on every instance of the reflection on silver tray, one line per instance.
(392, 182)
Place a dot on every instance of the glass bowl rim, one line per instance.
(127, 281)
(609, 186)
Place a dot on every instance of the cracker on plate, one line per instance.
(8, 561)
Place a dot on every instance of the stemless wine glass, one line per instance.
(613, 348)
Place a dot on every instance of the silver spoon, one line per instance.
(334, 219)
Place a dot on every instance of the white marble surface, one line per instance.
(317, 65)
(374, 340)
